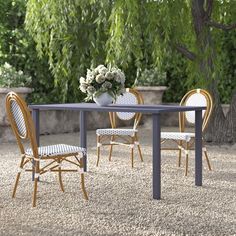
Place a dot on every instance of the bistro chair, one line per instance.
(117, 136)
(185, 140)
(41, 159)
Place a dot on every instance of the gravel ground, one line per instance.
(120, 198)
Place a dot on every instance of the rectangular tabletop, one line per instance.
(117, 108)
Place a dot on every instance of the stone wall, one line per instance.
(52, 122)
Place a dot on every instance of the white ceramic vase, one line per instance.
(104, 99)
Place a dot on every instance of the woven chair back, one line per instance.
(130, 97)
(21, 121)
(196, 97)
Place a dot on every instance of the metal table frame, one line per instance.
(155, 110)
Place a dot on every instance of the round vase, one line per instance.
(103, 100)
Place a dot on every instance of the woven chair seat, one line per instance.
(177, 136)
(56, 150)
(122, 132)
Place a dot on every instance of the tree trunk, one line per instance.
(231, 120)
(221, 128)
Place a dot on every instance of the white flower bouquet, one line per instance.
(103, 80)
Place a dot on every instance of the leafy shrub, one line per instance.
(19, 50)
(10, 77)
(151, 77)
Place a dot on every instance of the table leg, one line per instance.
(35, 116)
(198, 148)
(83, 135)
(156, 155)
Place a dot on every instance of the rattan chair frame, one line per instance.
(184, 146)
(55, 162)
(128, 140)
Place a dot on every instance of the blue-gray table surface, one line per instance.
(145, 108)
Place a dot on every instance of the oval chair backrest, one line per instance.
(20, 121)
(127, 98)
(197, 97)
(130, 97)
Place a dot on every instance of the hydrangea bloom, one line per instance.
(102, 79)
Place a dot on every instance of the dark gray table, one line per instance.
(155, 110)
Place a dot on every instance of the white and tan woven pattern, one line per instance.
(55, 150)
(19, 118)
(196, 99)
(177, 136)
(127, 98)
(122, 132)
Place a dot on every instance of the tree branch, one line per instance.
(221, 26)
(184, 51)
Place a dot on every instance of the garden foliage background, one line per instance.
(61, 84)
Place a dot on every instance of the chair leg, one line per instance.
(139, 148)
(132, 157)
(140, 153)
(36, 180)
(180, 154)
(18, 178)
(35, 191)
(60, 177)
(110, 152)
(207, 159)
(83, 187)
(132, 153)
(98, 149)
(111, 147)
(187, 154)
(82, 179)
(16, 184)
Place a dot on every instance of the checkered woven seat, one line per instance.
(177, 136)
(122, 132)
(55, 150)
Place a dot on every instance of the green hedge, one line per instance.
(18, 49)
